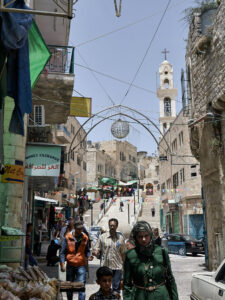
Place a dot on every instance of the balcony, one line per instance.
(39, 134)
(54, 88)
(63, 134)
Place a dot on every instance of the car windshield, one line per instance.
(188, 237)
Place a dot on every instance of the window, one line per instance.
(39, 115)
(163, 188)
(175, 180)
(181, 176)
(72, 155)
(181, 138)
(130, 157)
(193, 171)
(168, 184)
(164, 127)
(78, 161)
(134, 160)
(84, 165)
(167, 107)
(100, 168)
(166, 82)
(72, 129)
(174, 145)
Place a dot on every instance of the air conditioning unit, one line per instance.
(39, 115)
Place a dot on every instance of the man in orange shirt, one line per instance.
(75, 249)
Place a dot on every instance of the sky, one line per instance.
(119, 54)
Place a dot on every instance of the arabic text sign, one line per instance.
(80, 107)
(13, 174)
(42, 160)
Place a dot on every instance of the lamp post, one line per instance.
(134, 204)
(128, 211)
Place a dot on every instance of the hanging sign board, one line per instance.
(42, 160)
(13, 174)
(80, 107)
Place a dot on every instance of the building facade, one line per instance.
(99, 164)
(125, 155)
(205, 69)
(179, 174)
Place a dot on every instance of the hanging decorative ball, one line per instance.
(120, 129)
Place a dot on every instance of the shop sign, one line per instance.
(13, 174)
(42, 160)
(80, 107)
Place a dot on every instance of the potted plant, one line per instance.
(207, 11)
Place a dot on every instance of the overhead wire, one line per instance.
(126, 26)
(149, 46)
(100, 84)
(119, 80)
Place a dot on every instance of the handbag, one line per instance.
(166, 276)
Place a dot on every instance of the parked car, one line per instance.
(209, 285)
(192, 245)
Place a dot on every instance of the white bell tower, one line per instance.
(167, 95)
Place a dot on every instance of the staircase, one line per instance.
(147, 213)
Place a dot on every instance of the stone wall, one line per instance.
(205, 63)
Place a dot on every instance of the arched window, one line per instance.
(166, 83)
(167, 107)
(149, 188)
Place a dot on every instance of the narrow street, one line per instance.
(182, 267)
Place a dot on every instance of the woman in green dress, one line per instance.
(146, 268)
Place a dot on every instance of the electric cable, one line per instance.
(149, 46)
(111, 100)
(126, 26)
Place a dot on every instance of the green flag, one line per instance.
(38, 53)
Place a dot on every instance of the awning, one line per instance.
(171, 201)
(45, 199)
(59, 208)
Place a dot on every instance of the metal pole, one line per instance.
(104, 206)
(91, 214)
(134, 204)
(128, 210)
(138, 184)
(34, 12)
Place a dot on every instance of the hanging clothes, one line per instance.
(14, 36)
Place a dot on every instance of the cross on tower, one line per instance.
(165, 52)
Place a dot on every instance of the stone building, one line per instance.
(205, 69)
(53, 91)
(125, 155)
(179, 174)
(148, 174)
(99, 164)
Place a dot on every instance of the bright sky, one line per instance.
(120, 54)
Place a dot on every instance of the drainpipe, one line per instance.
(205, 240)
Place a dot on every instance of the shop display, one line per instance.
(23, 284)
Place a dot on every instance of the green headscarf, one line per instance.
(142, 226)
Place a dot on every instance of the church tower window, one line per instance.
(166, 83)
(167, 107)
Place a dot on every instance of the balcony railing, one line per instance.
(61, 60)
(64, 129)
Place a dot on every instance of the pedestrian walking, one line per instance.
(153, 211)
(51, 256)
(147, 269)
(121, 205)
(75, 249)
(156, 237)
(104, 279)
(111, 245)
